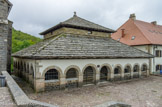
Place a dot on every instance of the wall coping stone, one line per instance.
(20, 98)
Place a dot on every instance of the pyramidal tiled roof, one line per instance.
(80, 47)
(79, 23)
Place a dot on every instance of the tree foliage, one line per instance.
(21, 40)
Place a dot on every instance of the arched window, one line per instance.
(117, 70)
(32, 71)
(104, 73)
(71, 73)
(136, 68)
(127, 69)
(51, 74)
(88, 75)
(144, 68)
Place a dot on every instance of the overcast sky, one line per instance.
(35, 16)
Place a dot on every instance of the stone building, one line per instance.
(5, 36)
(144, 36)
(78, 52)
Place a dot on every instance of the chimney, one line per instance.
(132, 16)
(123, 33)
(154, 22)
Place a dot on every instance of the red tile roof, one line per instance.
(144, 33)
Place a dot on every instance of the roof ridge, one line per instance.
(45, 45)
(141, 32)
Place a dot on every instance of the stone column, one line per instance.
(148, 72)
(97, 78)
(122, 75)
(80, 81)
(62, 82)
(131, 74)
(111, 76)
(140, 73)
(39, 81)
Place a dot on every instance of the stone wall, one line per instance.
(5, 37)
(75, 31)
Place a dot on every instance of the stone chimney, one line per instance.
(132, 16)
(154, 22)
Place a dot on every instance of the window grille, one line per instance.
(51, 74)
(71, 73)
(136, 68)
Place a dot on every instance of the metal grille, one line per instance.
(127, 69)
(144, 68)
(88, 75)
(103, 74)
(136, 68)
(51, 74)
(117, 70)
(71, 73)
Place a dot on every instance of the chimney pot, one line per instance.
(154, 22)
(132, 16)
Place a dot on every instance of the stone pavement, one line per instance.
(6, 98)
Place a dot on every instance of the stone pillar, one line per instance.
(148, 73)
(122, 75)
(112, 76)
(62, 82)
(80, 81)
(140, 73)
(39, 84)
(97, 78)
(39, 81)
(131, 74)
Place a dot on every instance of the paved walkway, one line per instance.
(6, 98)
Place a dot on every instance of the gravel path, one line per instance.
(144, 92)
(5, 98)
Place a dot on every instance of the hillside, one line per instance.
(22, 40)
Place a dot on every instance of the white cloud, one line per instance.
(34, 16)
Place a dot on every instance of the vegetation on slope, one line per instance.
(22, 40)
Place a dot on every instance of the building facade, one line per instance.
(144, 36)
(5, 36)
(77, 52)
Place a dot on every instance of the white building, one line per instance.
(78, 52)
(144, 36)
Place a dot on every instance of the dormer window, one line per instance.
(133, 37)
(89, 32)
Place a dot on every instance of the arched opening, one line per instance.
(52, 74)
(104, 73)
(144, 70)
(127, 72)
(71, 73)
(117, 73)
(136, 71)
(72, 78)
(89, 75)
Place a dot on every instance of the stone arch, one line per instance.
(120, 66)
(109, 70)
(53, 67)
(144, 64)
(144, 69)
(128, 70)
(118, 76)
(93, 66)
(136, 70)
(79, 73)
(90, 74)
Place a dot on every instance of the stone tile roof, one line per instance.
(80, 47)
(79, 23)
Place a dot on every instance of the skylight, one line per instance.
(133, 37)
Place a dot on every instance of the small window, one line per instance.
(158, 53)
(89, 32)
(133, 37)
